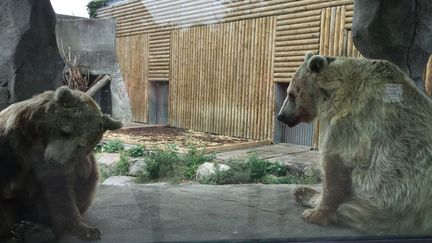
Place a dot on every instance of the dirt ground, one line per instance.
(158, 136)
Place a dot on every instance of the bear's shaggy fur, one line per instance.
(375, 141)
(48, 173)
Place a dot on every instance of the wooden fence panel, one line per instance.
(296, 34)
(159, 51)
(336, 36)
(146, 16)
(132, 53)
(221, 80)
(335, 40)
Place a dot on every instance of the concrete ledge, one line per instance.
(192, 212)
(236, 146)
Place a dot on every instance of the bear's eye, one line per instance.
(65, 134)
(291, 96)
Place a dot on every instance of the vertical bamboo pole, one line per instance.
(337, 21)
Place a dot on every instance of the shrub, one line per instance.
(112, 146)
(137, 151)
(120, 168)
(193, 159)
(256, 170)
(162, 164)
(94, 5)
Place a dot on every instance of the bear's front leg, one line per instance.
(62, 208)
(337, 187)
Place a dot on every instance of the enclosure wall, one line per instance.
(221, 78)
(222, 58)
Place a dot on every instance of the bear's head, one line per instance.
(300, 104)
(71, 125)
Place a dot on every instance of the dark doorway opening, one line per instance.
(158, 102)
(103, 96)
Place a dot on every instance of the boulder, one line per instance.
(120, 181)
(208, 169)
(30, 62)
(137, 165)
(108, 159)
(399, 31)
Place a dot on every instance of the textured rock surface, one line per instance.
(29, 59)
(136, 166)
(119, 181)
(399, 31)
(208, 169)
(94, 42)
(108, 159)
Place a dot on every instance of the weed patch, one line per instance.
(256, 170)
(112, 146)
(169, 165)
(137, 151)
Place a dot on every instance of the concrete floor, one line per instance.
(191, 212)
(282, 152)
(208, 213)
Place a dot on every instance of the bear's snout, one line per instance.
(289, 120)
(280, 117)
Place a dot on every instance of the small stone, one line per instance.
(108, 159)
(298, 168)
(208, 169)
(119, 181)
(312, 171)
(136, 166)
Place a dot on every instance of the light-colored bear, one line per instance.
(375, 141)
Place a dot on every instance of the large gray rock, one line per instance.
(209, 169)
(29, 59)
(94, 42)
(137, 166)
(399, 31)
(108, 159)
(119, 181)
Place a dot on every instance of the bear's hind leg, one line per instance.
(307, 197)
(85, 186)
(336, 189)
(7, 219)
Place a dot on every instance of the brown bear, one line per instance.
(48, 173)
(375, 141)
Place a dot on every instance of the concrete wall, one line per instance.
(94, 42)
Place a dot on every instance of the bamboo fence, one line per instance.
(223, 57)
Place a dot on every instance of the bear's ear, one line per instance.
(64, 97)
(317, 63)
(308, 56)
(111, 124)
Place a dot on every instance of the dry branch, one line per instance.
(99, 84)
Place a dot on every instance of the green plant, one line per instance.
(112, 146)
(162, 164)
(104, 173)
(94, 5)
(257, 168)
(120, 168)
(193, 159)
(277, 169)
(98, 148)
(137, 151)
